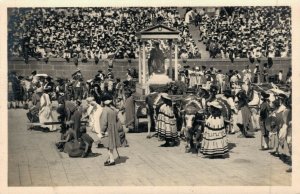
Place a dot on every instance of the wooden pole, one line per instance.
(170, 59)
(144, 63)
(140, 65)
(176, 61)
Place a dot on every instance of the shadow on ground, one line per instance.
(121, 160)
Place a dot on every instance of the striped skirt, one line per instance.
(166, 123)
(214, 138)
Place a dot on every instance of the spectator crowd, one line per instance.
(246, 32)
(89, 33)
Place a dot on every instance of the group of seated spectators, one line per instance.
(244, 32)
(89, 33)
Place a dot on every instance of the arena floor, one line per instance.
(34, 161)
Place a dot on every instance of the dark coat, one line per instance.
(109, 124)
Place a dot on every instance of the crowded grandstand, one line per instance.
(97, 33)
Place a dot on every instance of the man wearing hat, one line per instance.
(109, 129)
(264, 114)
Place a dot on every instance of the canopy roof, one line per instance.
(158, 32)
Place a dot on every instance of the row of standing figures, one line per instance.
(240, 109)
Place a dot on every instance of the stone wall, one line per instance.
(60, 68)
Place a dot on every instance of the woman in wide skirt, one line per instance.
(214, 136)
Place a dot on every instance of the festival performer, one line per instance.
(247, 77)
(45, 113)
(166, 122)
(34, 79)
(119, 89)
(283, 114)
(289, 131)
(97, 111)
(108, 121)
(257, 74)
(49, 87)
(193, 77)
(264, 114)
(229, 98)
(85, 145)
(220, 79)
(244, 120)
(214, 143)
(33, 113)
(96, 91)
(71, 115)
(129, 110)
(198, 76)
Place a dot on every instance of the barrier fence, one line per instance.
(61, 68)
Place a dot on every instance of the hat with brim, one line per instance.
(107, 102)
(107, 99)
(214, 88)
(204, 93)
(265, 95)
(282, 96)
(165, 96)
(241, 95)
(215, 104)
(228, 93)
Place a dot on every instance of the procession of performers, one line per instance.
(223, 107)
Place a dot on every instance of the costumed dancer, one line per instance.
(220, 79)
(264, 114)
(214, 143)
(193, 78)
(129, 110)
(244, 120)
(45, 113)
(283, 114)
(257, 74)
(166, 122)
(289, 131)
(85, 145)
(247, 77)
(108, 121)
(229, 99)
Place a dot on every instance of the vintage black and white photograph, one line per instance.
(149, 96)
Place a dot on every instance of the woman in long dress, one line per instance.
(166, 122)
(214, 141)
(45, 113)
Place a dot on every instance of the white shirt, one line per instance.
(280, 76)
